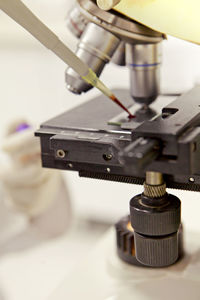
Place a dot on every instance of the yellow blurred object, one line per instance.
(179, 18)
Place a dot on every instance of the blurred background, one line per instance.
(36, 252)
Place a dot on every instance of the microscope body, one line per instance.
(158, 148)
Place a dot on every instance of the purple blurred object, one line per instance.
(22, 127)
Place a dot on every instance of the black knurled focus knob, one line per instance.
(150, 255)
(157, 251)
(156, 222)
(155, 217)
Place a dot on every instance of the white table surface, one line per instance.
(103, 276)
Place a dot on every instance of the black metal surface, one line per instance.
(140, 153)
(135, 180)
(91, 116)
(178, 133)
(176, 118)
(112, 177)
(87, 140)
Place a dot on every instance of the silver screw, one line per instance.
(108, 170)
(70, 166)
(60, 153)
(107, 157)
(191, 179)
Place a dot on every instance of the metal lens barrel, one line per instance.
(95, 48)
(144, 62)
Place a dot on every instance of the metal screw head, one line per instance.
(108, 170)
(70, 166)
(191, 179)
(60, 153)
(107, 157)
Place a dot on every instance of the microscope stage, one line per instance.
(91, 137)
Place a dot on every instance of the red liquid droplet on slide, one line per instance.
(113, 98)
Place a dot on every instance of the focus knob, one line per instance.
(155, 217)
(149, 250)
(156, 222)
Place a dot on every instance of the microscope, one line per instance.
(158, 148)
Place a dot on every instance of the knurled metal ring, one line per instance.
(154, 191)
